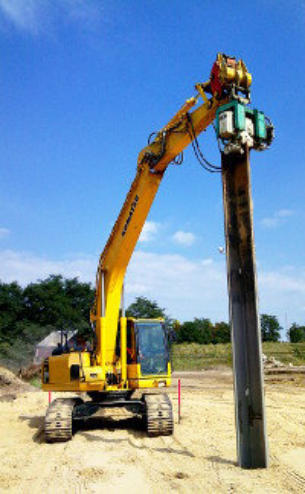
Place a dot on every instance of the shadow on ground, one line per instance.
(37, 423)
(134, 426)
(223, 461)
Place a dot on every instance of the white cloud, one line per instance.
(270, 222)
(277, 219)
(149, 231)
(23, 14)
(195, 288)
(207, 262)
(187, 288)
(25, 267)
(284, 213)
(184, 238)
(36, 16)
(4, 232)
(282, 293)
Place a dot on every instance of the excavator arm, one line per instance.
(227, 77)
(131, 354)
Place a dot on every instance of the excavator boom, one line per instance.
(153, 161)
(130, 354)
(124, 236)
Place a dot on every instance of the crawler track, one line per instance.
(159, 415)
(58, 420)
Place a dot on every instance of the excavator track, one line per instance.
(158, 415)
(58, 420)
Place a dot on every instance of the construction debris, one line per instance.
(272, 362)
(273, 366)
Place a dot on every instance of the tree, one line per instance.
(175, 328)
(270, 328)
(62, 303)
(28, 315)
(186, 332)
(20, 350)
(11, 308)
(221, 333)
(296, 333)
(144, 308)
(196, 331)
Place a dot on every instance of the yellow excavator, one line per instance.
(132, 354)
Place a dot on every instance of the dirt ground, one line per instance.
(114, 454)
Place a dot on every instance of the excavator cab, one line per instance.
(152, 347)
(148, 359)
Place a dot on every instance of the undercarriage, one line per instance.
(155, 411)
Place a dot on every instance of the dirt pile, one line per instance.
(30, 372)
(10, 384)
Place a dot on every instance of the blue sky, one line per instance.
(83, 83)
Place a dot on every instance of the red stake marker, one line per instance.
(50, 396)
(179, 400)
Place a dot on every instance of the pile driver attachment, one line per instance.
(238, 126)
(132, 354)
(229, 77)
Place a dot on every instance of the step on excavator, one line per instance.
(129, 361)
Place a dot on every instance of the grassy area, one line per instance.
(192, 356)
(36, 382)
(286, 352)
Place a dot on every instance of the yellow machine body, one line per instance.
(79, 371)
(105, 369)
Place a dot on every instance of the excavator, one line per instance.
(129, 361)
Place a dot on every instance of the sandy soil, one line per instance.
(114, 454)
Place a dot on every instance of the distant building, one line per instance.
(45, 347)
